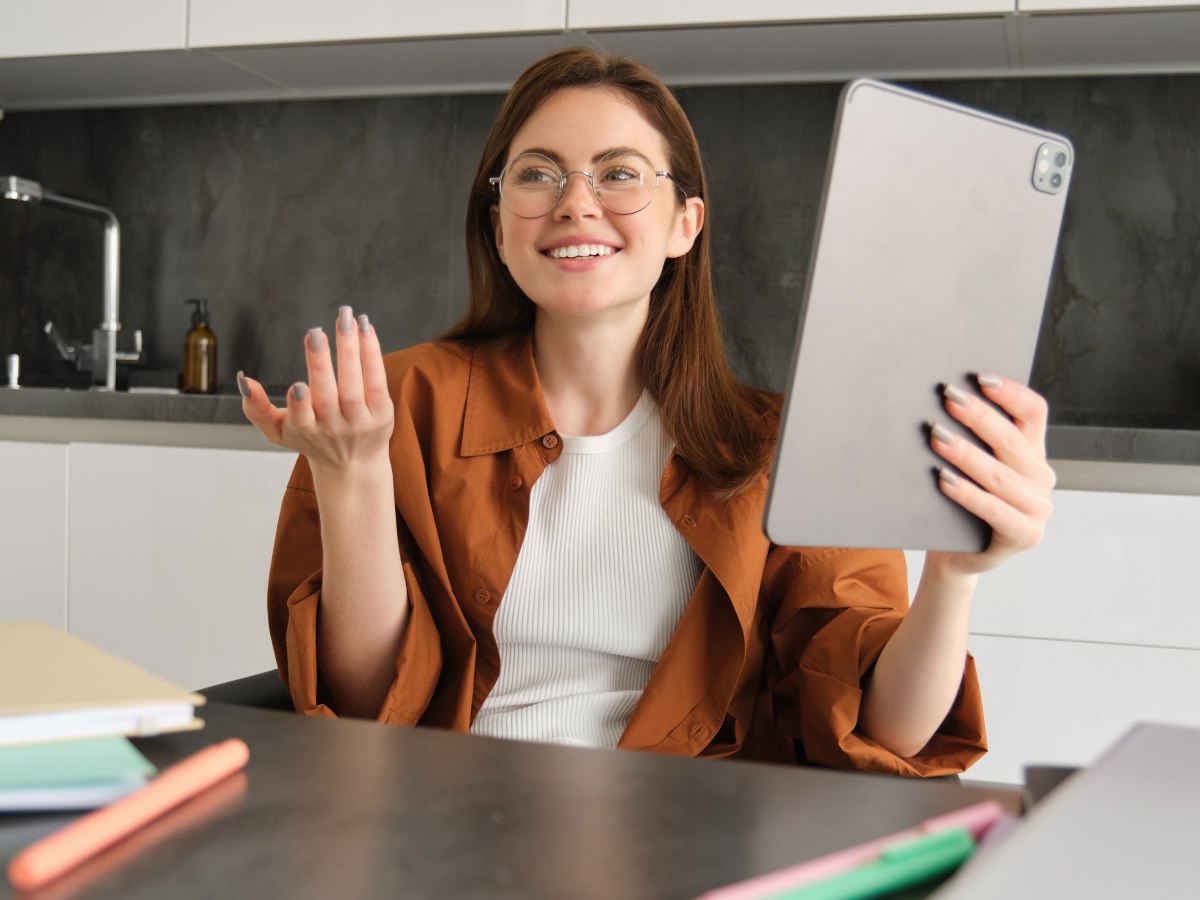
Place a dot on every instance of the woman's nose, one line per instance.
(578, 198)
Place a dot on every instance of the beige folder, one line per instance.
(55, 686)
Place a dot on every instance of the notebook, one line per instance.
(1126, 826)
(81, 774)
(935, 245)
(55, 686)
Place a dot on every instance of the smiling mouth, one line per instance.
(580, 251)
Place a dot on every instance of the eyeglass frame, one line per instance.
(496, 180)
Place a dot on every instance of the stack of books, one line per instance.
(67, 709)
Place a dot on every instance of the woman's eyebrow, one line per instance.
(542, 151)
(611, 151)
(620, 151)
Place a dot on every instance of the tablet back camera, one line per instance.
(1051, 165)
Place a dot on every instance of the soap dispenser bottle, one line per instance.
(199, 353)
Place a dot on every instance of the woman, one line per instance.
(578, 446)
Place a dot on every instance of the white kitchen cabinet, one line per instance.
(1096, 41)
(65, 27)
(609, 14)
(235, 23)
(482, 64)
(1065, 702)
(820, 51)
(213, 51)
(817, 40)
(1096, 628)
(1112, 568)
(1036, 6)
(33, 532)
(170, 549)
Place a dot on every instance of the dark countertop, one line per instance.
(1099, 443)
(1114, 440)
(217, 409)
(173, 420)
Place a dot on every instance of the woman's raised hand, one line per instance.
(335, 420)
(1011, 489)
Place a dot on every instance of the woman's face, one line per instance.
(576, 127)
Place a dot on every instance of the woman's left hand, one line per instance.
(1011, 490)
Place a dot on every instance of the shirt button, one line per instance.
(550, 441)
(516, 482)
(482, 596)
(700, 732)
(689, 521)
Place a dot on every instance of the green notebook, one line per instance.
(81, 774)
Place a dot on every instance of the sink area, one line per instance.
(66, 400)
(143, 396)
(77, 381)
(129, 380)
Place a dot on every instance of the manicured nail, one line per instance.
(941, 434)
(243, 387)
(364, 326)
(316, 340)
(299, 390)
(345, 319)
(989, 380)
(947, 476)
(955, 395)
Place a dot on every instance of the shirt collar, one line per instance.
(505, 407)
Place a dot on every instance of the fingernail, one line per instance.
(955, 395)
(299, 390)
(316, 340)
(243, 387)
(364, 327)
(345, 319)
(941, 434)
(947, 476)
(988, 380)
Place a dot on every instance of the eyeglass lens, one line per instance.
(531, 184)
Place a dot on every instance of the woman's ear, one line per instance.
(498, 231)
(688, 222)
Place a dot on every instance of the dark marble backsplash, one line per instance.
(280, 212)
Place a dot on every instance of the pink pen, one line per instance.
(61, 851)
(976, 819)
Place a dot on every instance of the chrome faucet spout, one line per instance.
(25, 189)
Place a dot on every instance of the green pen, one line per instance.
(899, 866)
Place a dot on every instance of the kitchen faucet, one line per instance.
(103, 349)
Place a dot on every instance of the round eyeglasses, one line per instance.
(532, 184)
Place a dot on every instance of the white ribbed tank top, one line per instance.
(600, 583)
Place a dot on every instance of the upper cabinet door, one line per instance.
(606, 14)
(1116, 37)
(1035, 6)
(237, 23)
(70, 27)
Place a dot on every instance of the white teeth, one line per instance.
(581, 250)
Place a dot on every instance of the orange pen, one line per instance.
(55, 854)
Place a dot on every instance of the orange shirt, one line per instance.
(767, 662)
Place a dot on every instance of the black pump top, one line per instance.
(200, 313)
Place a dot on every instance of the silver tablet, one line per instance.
(934, 250)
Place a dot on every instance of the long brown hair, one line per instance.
(722, 428)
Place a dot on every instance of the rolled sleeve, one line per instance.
(293, 607)
(838, 611)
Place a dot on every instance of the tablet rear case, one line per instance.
(932, 261)
(1125, 826)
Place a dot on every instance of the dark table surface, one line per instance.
(346, 809)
